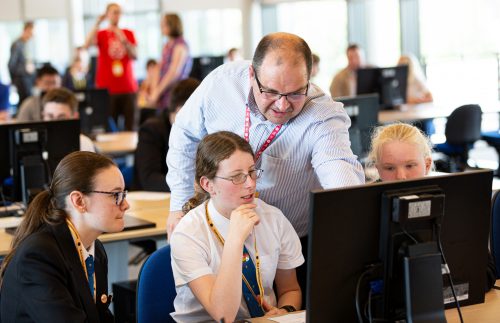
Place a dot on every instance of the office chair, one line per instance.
(495, 231)
(156, 288)
(462, 130)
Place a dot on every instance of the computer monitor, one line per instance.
(389, 82)
(202, 66)
(30, 153)
(363, 111)
(93, 108)
(345, 238)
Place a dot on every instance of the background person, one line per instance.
(47, 276)
(176, 61)
(344, 82)
(117, 50)
(61, 104)
(21, 70)
(225, 222)
(47, 78)
(147, 109)
(75, 76)
(416, 89)
(150, 168)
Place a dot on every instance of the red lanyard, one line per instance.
(269, 139)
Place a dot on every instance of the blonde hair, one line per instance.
(398, 132)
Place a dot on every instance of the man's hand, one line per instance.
(173, 219)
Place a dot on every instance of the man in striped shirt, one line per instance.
(299, 134)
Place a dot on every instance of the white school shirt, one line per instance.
(197, 252)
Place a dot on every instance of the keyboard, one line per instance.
(11, 210)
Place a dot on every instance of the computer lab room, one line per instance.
(249, 161)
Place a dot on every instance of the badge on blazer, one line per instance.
(104, 298)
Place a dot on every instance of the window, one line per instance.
(459, 44)
(212, 32)
(325, 31)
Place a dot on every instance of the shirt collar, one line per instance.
(89, 252)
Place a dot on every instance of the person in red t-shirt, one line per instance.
(117, 49)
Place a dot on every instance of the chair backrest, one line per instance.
(156, 288)
(495, 230)
(464, 125)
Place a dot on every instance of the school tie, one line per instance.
(89, 263)
(249, 272)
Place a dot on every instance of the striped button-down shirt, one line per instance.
(311, 151)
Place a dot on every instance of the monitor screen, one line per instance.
(363, 111)
(202, 66)
(32, 150)
(389, 82)
(345, 234)
(93, 108)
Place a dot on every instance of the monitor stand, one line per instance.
(423, 284)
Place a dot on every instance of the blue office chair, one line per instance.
(463, 129)
(156, 288)
(495, 230)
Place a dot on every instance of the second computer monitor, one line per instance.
(345, 243)
(363, 111)
(389, 82)
(93, 108)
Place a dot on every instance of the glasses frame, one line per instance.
(257, 172)
(280, 95)
(117, 195)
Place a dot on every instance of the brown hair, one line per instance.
(76, 171)
(174, 23)
(286, 42)
(63, 96)
(181, 92)
(213, 149)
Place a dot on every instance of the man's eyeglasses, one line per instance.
(241, 178)
(275, 96)
(119, 196)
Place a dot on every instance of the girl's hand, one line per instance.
(271, 310)
(243, 219)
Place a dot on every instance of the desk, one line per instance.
(487, 312)
(116, 144)
(427, 111)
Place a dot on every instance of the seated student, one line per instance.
(150, 167)
(147, 109)
(223, 223)
(416, 89)
(56, 270)
(61, 104)
(401, 151)
(47, 78)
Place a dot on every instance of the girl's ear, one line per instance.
(428, 163)
(207, 185)
(77, 200)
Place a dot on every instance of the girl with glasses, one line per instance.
(56, 270)
(230, 247)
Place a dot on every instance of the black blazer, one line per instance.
(45, 281)
(150, 165)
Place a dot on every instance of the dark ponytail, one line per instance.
(75, 172)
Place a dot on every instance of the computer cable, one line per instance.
(448, 273)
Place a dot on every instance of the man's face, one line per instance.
(354, 59)
(114, 13)
(280, 73)
(57, 111)
(48, 82)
